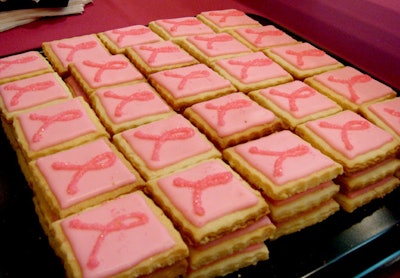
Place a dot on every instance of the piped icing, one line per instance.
(304, 56)
(350, 134)
(279, 155)
(166, 142)
(389, 112)
(130, 102)
(298, 99)
(132, 35)
(84, 172)
(232, 113)
(191, 80)
(30, 92)
(207, 192)
(252, 68)
(229, 18)
(185, 26)
(357, 87)
(115, 236)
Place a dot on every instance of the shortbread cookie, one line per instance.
(108, 229)
(251, 72)
(350, 139)
(128, 106)
(303, 59)
(232, 119)
(207, 200)
(271, 163)
(183, 87)
(350, 88)
(295, 103)
(164, 146)
(23, 65)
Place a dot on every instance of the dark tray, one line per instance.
(365, 243)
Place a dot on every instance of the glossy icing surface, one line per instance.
(265, 36)
(166, 142)
(207, 192)
(389, 112)
(229, 18)
(232, 113)
(23, 63)
(116, 235)
(132, 35)
(279, 155)
(350, 134)
(84, 172)
(184, 26)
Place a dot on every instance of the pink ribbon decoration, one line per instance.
(223, 109)
(248, 64)
(6, 64)
(303, 92)
(76, 48)
(216, 39)
(362, 78)
(344, 130)
(395, 113)
(169, 135)
(120, 223)
(157, 50)
(260, 35)
(131, 32)
(125, 99)
(64, 116)
(34, 87)
(297, 151)
(200, 185)
(176, 24)
(225, 14)
(185, 78)
(99, 162)
(310, 53)
(113, 65)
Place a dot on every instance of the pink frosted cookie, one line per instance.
(252, 71)
(207, 200)
(153, 57)
(23, 65)
(176, 29)
(75, 88)
(232, 119)
(350, 139)
(225, 20)
(164, 146)
(72, 180)
(183, 87)
(128, 106)
(63, 52)
(350, 88)
(55, 127)
(262, 37)
(100, 72)
(128, 236)
(271, 163)
(303, 59)
(385, 114)
(210, 47)
(118, 40)
(295, 102)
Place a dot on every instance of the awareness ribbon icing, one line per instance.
(223, 109)
(76, 48)
(362, 78)
(225, 14)
(186, 77)
(216, 39)
(39, 86)
(301, 54)
(395, 113)
(24, 60)
(131, 32)
(246, 65)
(303, 92)
(260, 35)
(186, 22)
(113, 65)
(125, 99)
(157, 50)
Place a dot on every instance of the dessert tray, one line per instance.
(365, 242)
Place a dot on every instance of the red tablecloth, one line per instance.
(364, 32)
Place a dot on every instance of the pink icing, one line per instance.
(23, 63)
(185, 26)
(55, 124)
(191, 80)
(356, 193)
(132, 35)
(30, 92)
(84, 172)
(162, 54)
(355, 86)
(215, 45)
(350, 134)
(304, 56)
(265, 36)
(279, 155)
(115, 236)
(232, 113)
(207, 192)
(166, 142)
(252, 68)
(298, 99)
(229, 18)
(131, 102)
(108, 71)
(389, 112)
